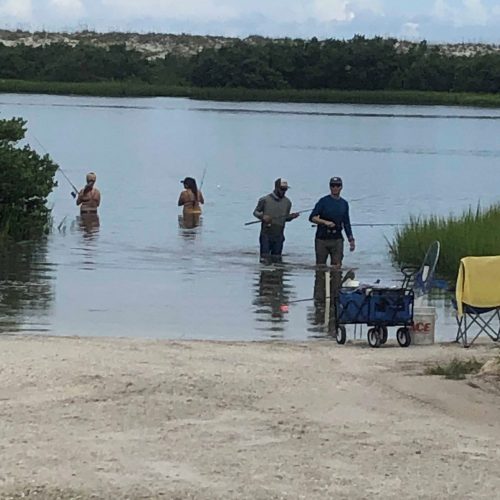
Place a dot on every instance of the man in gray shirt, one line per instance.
(274, 212)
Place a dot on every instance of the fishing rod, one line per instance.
(377, 224)
(203, 177)
(277, 218)
(75, 189)
(349, 275)
(367, 224)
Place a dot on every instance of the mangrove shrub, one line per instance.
(26, 180)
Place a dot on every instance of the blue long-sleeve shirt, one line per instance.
(335, 210)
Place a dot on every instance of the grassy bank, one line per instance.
(138, 89)
(474, 233)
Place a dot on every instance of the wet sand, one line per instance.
(120, 418)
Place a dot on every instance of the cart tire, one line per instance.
(340, 334)
(385, 334)
(404, 337)
(374, 337)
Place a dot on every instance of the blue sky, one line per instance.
(433, 20)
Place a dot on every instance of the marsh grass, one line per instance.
(474, 233)
(143, 89)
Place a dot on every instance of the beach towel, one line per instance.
(478, 282)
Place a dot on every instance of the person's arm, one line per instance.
(79, 198)
(97, 197)
(200, 198)
(181, 201)
(315, 217)
(348, 229)
(259, 211)
(290, 216)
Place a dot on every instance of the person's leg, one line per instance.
(265, 247)
(337, 252)
(276, 247)
(320, 247)
(336, 249)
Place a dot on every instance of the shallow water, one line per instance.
(138, 273)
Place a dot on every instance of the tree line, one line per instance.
(356, 64)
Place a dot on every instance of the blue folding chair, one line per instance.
(481, 319)
(421, 279)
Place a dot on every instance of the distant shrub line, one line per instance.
(287, 65)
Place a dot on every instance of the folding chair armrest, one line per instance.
(409, 271)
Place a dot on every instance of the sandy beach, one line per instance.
(121, 418)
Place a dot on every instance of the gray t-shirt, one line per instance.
(279, 210)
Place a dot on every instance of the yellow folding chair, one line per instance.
(477, 299)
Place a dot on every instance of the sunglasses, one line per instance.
(336, 185)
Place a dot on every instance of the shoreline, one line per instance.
(130, 418)
(325, 96)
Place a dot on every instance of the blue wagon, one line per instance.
(379, 308)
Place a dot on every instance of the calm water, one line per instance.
(139, 274)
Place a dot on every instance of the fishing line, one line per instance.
(75, 189)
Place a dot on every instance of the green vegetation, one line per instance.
(26, 181)
(475, 233)
(455, 369)
(138, 89)
(359, 70)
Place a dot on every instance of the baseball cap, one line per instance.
(336, 180)
(282, 183)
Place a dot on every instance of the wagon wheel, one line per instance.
(340, 334)
(374, 337)
(385, 334)
(403, 336)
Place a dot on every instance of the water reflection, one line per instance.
(189, 225)
(26, 287)
(321, 316)
(88, 226)
(273, 288)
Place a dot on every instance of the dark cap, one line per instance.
(187, 179)
(335, 180)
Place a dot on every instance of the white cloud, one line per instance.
(476, 11)
(170, 9)
(20, 10)
(410, 30)
(372, 6)
(331, 10)
(279, 11)
(470, 12)
(68, 8)
(72, 9)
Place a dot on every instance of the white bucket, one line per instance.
(424, 324)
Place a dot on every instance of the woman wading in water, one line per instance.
(190, 200)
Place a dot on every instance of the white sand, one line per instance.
(114, 418)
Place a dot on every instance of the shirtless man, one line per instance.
(89, 198)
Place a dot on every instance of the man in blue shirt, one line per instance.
(331, 214)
